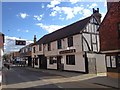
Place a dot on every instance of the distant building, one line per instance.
(26, 54)
(38, 56)
(12, 56)
(110, 39)
(72, 48)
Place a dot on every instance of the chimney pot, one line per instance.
(34, 38)
(93, 10)
(98, 10)
(97, 15)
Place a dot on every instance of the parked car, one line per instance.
(7, 65)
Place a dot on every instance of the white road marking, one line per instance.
(60, 86)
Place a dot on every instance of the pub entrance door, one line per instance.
(59, 66)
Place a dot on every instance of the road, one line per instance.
(20, 78)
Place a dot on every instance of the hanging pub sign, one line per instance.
(67, 51)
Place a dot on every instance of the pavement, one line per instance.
(98, 79)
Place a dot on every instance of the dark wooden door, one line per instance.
(29, 61)
(59, 62)
(42, 62)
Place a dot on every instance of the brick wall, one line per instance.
(109, 29)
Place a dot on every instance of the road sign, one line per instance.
(20, 42)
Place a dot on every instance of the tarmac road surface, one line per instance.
(21, 78)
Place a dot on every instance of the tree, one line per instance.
(5, 57)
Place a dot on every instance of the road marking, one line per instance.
(60, 87)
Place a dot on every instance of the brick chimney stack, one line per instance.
(34, 38)
(97, 15)
(109, 2)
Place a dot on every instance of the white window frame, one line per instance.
(108, 61)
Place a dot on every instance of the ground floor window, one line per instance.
(70, 59)
(52, 60)
(111, 61)
(36, 61)
(118, 60)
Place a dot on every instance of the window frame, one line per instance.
(59, 44)
(49, 46)
(40, 47)
(36, 61)
(111, 58)
(70, 60)
(70, 41)
(52, 61)
(33, 49)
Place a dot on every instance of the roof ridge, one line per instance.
(65, 31)
(70, 25)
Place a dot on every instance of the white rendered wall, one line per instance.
(100, 62)
(77, 44)
(79, 64)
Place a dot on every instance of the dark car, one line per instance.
(7, 65)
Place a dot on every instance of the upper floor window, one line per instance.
(22, 51)
(70, 41)
(33, 49)
(26, 50)
(59, 44)
(119, 30)
(40, 47)
(49, 47)
(29, 49)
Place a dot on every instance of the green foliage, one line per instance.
(5, 57)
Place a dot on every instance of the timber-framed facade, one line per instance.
(72, 48)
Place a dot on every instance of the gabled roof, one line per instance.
(29, 45)
(67, 31)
